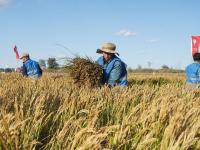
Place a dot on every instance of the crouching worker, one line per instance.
(193, 72)
(30, 67)
(114, 69)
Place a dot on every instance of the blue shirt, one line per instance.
(193, 73)
(32, 69)
(114, 71)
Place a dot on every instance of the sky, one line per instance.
(149, 33)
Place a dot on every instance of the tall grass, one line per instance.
(153, 112)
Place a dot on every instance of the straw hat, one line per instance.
(108, 48)
(24, 55)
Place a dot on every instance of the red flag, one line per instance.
(16, 52)
(195, 44)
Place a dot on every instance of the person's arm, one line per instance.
(40, 70)
(24, 71)
(198, 74)
(115, 74)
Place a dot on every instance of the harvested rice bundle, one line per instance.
(86, 72)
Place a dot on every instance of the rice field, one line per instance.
(155, 112)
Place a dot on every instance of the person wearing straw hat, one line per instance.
(114, 69)
(193, 72)
(30, 67)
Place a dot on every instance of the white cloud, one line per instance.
(4, 2)
(125, 33)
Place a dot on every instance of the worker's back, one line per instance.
(193, 73)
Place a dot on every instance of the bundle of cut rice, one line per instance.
(86, 72)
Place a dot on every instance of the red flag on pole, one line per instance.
(16, 52)
(195, 44)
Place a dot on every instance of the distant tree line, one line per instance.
(7, 70)
(163, 68)
(50, 64)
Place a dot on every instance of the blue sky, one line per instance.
(156, 31)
